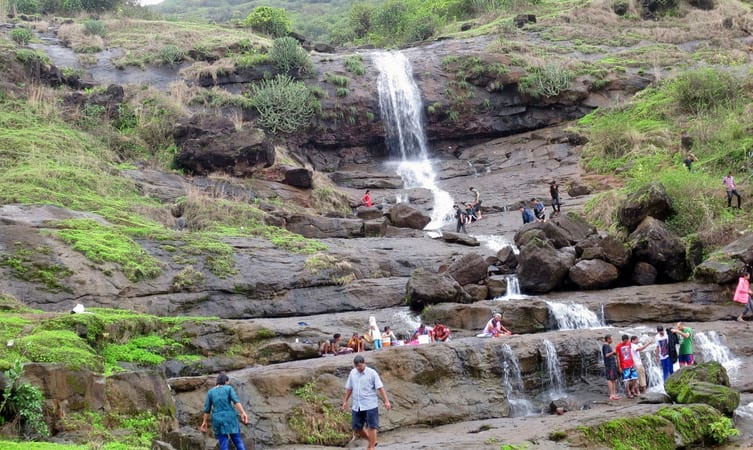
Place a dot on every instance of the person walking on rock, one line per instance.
(686, 345)
(627, 366)
(223, 404)
(476, 204)
(662, 351)
(460, 216)
(610, 367)
(729, 184)
(362, 385)
(742, 295)
(554, 191)
(636, 348)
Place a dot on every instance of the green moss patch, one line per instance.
(25, 265)
(59, 346)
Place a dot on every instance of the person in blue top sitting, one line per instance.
(222, 402)
(538, 209)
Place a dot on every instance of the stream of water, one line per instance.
(402, 114)
(514, 387)
(573, 316)
(556, 384)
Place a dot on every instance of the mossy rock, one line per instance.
(720, 397)
(710, 372)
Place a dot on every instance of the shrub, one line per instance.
(546, 81)
(337, 80)
(272, 21)
(342, 92)
(26, 6)
(32, 57)
(288, 55)
(422, 27)
(170, 54)
(284, 105)
(360, 18)
(251, 59)
(94, 28)
(354, 64)
(60, 346)
(22, 36)
(23, 401)
(702, 90)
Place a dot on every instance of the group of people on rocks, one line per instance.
(468, 213)
(535, 211)
(623, 362)
(381, 339)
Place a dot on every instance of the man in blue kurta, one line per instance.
(363, 384)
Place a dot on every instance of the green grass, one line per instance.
(641, 140)
(27, 445)
(143, 350)
(354, 64)
(60, 346)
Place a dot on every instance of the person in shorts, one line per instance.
(686, 344)
(627, 366)
(636, 348)
(610, 367)
(362, 386)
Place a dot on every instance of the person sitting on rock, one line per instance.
(494, 327)
(476, 204)
(366, 199)
(461, 217)
(440, 333)
(470, 213)
(332, 346)
(356, 343)
(538, 210)
(420, 331)
(527, 215)
(388, 337)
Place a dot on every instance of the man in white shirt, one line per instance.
(662, 351)
(363, 384)
(635, 349)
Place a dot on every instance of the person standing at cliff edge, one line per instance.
(222, 403)
(362, 385)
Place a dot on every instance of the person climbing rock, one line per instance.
(366, 199)
(742, 295)
(686, 345)
(627, 366)
(662, 351)
(636, 348)
(223, 404)
(610, 367)
(460, 216)
(729, 184)
(554, 192)
(538, 210)
(362, 385)
(527, 214)
(689, 160)
(476, 204)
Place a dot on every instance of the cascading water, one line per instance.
(573, 316)
(713, 348)
(513, 288)
(495, 242)
(406, 321)
(514, 388)
(556, 385)
(402, 113)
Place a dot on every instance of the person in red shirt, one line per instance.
(440, 333)
(366, 199)
(627, 365)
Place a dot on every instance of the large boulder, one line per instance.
(654, 243)
(650, 200)
(460, 238)
(213, 144)
(576, 228)
(368, 213)
(469, 269)
(709, 372)
(643, 274)
(508, 260)
(541, 267)
(298, 177)
(609, 249)
(542, 231)
(496, 286)
(703, 383)
(405, 216)
(725, 264)
(477, 292)
(319, 227)
(427, 288)
(593, 274)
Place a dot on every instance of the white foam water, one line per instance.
(513, 289)
(573, 316)
(713, 348)
(556, 384)
(495, 242)
(406, 321)
(520, 406)
(402, 113)
(745, 412)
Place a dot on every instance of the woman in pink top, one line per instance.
(743, 293)
(729, 185)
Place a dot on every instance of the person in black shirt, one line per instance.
(554, 191)
(610, 367)
(460, 216)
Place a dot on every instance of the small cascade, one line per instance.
(405, 321)
(713, 348)
(745, 411)
(556, 384)
(473, 168)
(513, 288)
(400, 198)
(573, 316)
(495, 242)
(402, 113)
(514, 389)
(602, 316)
(650, 360)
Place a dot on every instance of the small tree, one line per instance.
(284, 105)
(272, 21)
(288, 55)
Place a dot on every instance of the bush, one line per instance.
(284, 105)
(272, 21)
(547, 81)
(287, 55)
(360, 18)
(23, 401)
(32, 57)
(702, 90)
(26, 6)
(22, 36)
(354, 64)
(171, 55)
(94, 28)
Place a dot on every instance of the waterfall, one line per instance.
(407, 321)
(573, 316)
(513, 288)
(495, 242)
(555, 384)
(713, 348)
(402, 113)
(514, 388)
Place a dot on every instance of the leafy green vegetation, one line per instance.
(641, 141)
(94, 27)
(113, 431)
(549, 80)
(22, 401)
(272, 21)
(170, 54)
(144, 350)
(21, 36)
(289, 57)
(32, 57)
(26, 445)
(24, 266)
(60, 346)
(354, 64)
(317, 420)
(284, 105)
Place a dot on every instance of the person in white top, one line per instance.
(362, 385)
(635, 349)
(376, 335)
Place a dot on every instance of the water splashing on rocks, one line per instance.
(713, 348)
(555, 381)
(514, 388)
(573, 316)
